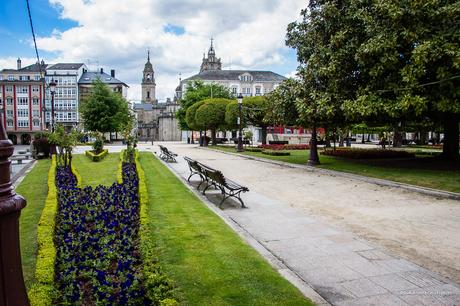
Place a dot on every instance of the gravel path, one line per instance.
(417, 227)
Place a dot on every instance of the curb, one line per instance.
(381, 182)
(17, 179)
(272, 259)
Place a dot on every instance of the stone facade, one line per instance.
(155, 121)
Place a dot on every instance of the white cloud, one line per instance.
(248, 34)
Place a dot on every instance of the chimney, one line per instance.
(19, 63)
(112, 73)
(102, 71)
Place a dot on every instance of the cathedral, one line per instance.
(155, 121)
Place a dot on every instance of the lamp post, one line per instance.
(12, 288)
(52, 87)
(240, 132)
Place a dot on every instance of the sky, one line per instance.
(116, 35)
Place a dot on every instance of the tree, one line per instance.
(65, 143)
(190, 116)
(254, 111)
(103, 110)
(410, 63)
(211, 115)
(198, 91)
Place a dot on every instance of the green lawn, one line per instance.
(103, 172)
(209, 263)
(423, 171)
(34, 188)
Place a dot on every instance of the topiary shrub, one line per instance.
(253, 149)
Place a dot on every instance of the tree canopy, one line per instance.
(380, 61)
(104, 110)
(211, 115)
(197, 91)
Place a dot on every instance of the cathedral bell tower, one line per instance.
(212, 62)
(148, 82)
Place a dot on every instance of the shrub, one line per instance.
(43, 291)
(276, 152)
(367, 153)
(95, 157)
(98, 144)
(253, 149)
(285, 147)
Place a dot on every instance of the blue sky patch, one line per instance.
(174, 29)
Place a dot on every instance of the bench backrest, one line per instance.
(216, 176)
(193, 164)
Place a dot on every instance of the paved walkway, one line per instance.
(342, 268)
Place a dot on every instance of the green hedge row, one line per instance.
(276, 153)
(96, 157)
(355, 153)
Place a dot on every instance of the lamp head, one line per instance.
(52, 86)
(240, 98)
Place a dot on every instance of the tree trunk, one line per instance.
(213, 137)
(397, 138)
(192, 140)
(264, 134)
(362, 139)
(451, 138)
(314, 158)
(205, 142)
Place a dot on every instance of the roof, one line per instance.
(230, 75)
(65, 66)
(31, 68)
(88, 78)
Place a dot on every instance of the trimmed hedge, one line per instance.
(354, 153)
(158, 286)
(276, 152)
(285, 146)
(43, 291)
(96, 157)
(253, 149)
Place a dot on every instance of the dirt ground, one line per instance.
(421, 228)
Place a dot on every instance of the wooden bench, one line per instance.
(215, 178)
(167, 155)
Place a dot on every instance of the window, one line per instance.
(148, 94)
(234, 90)
(10, 78)
(36, 123)
(35, 101)
(23, 101)
(9, 101)
(35, 89)
(23, 123)
(23, 113)
(22, 89)
(9, 123)
(9, 89)
(9, 113)
(24, 78)
(35, 113)
(37, 78)
(257, 90)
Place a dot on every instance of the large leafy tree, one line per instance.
(103, 110)
(198, 91)
(411, 63)
(211, 115)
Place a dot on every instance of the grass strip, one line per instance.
(92, 174)
(34, 188)
(208, 262)
(428, 172)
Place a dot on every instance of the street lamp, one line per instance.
(52, 87)
(12, 288)
(240, 136)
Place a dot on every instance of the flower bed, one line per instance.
(96, 237)
(95, 157)
(367, 153)
(276, 152)
(285, 147)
